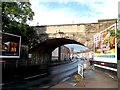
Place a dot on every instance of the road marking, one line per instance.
(46, 87)
(35, 76)
(109, 75)
(72, 83)
(65, 79)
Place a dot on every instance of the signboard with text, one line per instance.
(10, 45)
(105, 47)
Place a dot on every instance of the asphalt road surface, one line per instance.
(56, 74)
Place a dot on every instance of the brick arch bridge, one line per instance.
(53, 36)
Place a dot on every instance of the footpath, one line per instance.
(92, 79)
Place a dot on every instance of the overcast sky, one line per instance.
(76, 47)
(52, 12)
(49, 12)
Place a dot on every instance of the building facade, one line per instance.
(65, 54)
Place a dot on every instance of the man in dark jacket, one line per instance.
(92, 62)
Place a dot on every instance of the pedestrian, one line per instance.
(92, 61)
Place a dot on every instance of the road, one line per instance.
(56, 74)
(92, 79)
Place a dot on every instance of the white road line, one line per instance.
(35, 76)
(72, 83)
(65, 79)
(46, 87)
(109, 75)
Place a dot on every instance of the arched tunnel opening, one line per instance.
(50, 44)
(41, 56)
(42, 53)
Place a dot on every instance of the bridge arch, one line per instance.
(42, 53)
(50, 39)
(50, 44)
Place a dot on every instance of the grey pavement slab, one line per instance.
(92, 79)
(99, 79)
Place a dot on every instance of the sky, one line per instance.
(53, 12)
(76, 47)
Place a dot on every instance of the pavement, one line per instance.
(92, 79)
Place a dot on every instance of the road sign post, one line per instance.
(80, 70)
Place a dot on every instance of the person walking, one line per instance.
(92, 61)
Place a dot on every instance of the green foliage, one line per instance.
(17, 11)
(14, 20)
(15, 15)
(32, 37)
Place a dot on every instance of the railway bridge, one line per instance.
(53, 36)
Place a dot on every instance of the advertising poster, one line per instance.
(10, 45)
(105, 45)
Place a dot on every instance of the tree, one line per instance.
(32, 37)
(14, 18)
(17, 11)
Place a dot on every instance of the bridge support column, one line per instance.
(59, 53)
(46, 58)
(43, 60)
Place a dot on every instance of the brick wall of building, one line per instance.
(65, 53)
